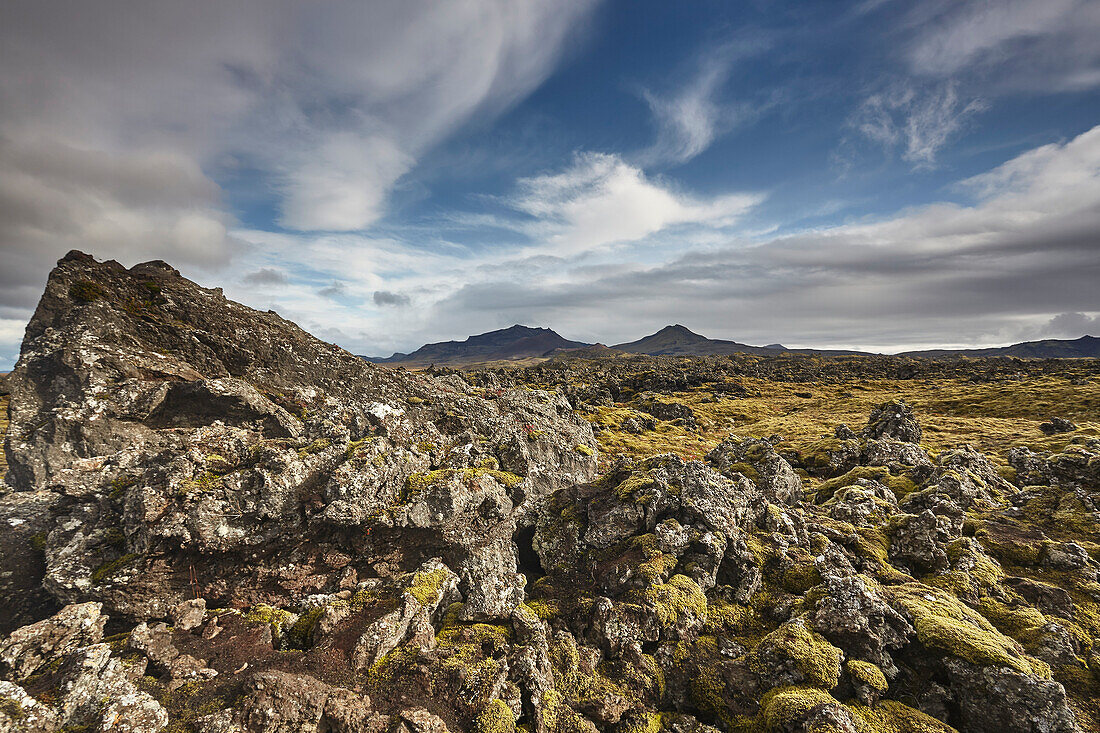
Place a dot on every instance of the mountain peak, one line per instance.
(515, 342)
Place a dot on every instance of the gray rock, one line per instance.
(190, 436)
(995, 699)
(1057, 425)
(757, 458)
(188, 614)
(893, 420)
(28, 649)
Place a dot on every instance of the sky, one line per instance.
(877, 174)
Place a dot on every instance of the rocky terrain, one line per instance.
(216, 523)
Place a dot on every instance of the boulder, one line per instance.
(894, 421)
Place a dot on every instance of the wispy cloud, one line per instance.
(694, 114)
(1038, 44)
(918, 122)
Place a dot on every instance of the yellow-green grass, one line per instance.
(992, 417)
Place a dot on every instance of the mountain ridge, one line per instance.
(524, 342)
(505, 344)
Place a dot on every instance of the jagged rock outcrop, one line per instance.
(89, 688)
(189, 438)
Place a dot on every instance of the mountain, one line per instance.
(679, 340)
(1086, 347)
(506, 344)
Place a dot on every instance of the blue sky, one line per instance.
(875, 174)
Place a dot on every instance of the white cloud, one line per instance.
(145, 204)
(917, 121)
(331, 103)
(115, 116)
(602, 200)
(1072, 325)
(994, 270)
(1038, 44)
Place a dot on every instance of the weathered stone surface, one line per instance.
(188, 614)
(758, 460)
(424, 595)
(92, 689)
(278, 702)
(894, 421)
(21, 713)
(185, 432)
(28, 649)
(397, 552)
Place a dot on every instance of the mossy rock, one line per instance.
(944, 623)
(673, 600)
(812, 655)
(496, 717)
(867, 674)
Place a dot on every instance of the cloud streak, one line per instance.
(692, 116)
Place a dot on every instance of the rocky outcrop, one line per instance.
(190, 440)
(88, 687)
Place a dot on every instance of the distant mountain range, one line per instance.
(681, 341)
(522, 342)
(1086, 347)
(506, 344)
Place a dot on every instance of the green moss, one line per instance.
(203, 482)
(317, 446)
(801, 578)
(584, 450)
(355, 445)
(427, 587)
(730, 619)
(545, 608)
(275, 618)
(38, 540)
(298, 635)
(87, 291)
(120, 484)
(1022, 623)
(746, 470)
(414, 401)
(945, 623)
(866, 673)
(901, 484)
(107, 569)
(573, 681)
(784, 706)
(496, 717)
(679, 596)
(891, 716)
(11, 709)
(418, 483)
(815, 658)
(644, 722)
